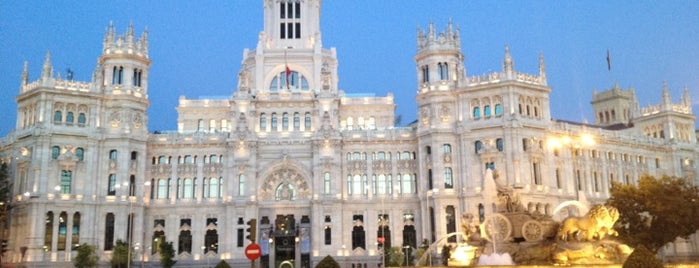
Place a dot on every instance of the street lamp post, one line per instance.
(129, 225)
(407, 255)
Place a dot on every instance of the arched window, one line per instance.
(476, 112)
(297, 121)
(425, 73)
(307, 121)
(55, 152)
(69, 118)
(113, 154)
(81, 119)
(48, 231)
(132, 185)
(447, 148)
(479, 146)
(111, 184)
(80, 153)
(109, 232)
(498, 109)
(486, 110)
(200, 125)
(443, 69)
(62, 230)
(274, 121)
(499, 144)
(289, 80)
(75, 231)
(57, 116)
(285, 121)
(450, 213)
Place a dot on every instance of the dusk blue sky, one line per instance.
(196, 46)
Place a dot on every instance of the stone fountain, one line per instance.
(517, 236)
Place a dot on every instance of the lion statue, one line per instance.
(595, 225)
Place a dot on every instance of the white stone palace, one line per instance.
(323, 172)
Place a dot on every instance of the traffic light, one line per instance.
(252, 230)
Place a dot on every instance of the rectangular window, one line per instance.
(326, 182)
(282, 31)
(536, 169)
(298, 30)
(558, 179)
(111, 185)
(448, 179)
(282, 11)
(328, 235)
(66, 181)
(240, 238)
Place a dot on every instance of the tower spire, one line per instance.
(47, 69)
(542, 69)
(667, 102)
(508, 64)
(130, 35)
(25, 73)
(686, 100)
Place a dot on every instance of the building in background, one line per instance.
(322, 171)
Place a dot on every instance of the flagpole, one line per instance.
(287, 71)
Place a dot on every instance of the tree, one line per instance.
(167, 254)
(87, 256)
(328, 262)
(642, 258)
(655, 212)
(394, 257)
(120, 254)
(222, 264)
(5, 205)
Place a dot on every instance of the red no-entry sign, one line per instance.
(253, 251)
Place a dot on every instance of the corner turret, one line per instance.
(439, 59)
(123, 66)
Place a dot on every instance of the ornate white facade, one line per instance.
(323, 172)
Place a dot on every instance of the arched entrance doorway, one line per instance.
(285, 210)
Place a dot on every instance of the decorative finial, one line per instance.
(47, 69)
(25, 73)
(666, 95)
(686, 100)
(508, 64)
(542, 68)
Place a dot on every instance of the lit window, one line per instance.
(448, 178)
(66, 181)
